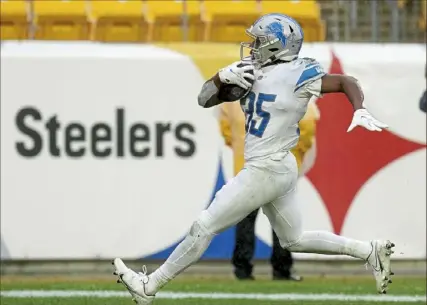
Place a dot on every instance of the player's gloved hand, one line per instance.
(236, 74)
(363, 118)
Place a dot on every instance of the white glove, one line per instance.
(233, 74)
(363, 118)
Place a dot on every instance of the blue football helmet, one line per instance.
(275, 36)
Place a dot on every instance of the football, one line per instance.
(231, 92)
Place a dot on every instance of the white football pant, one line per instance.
(270, 184)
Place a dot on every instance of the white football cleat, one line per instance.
(134, 282)
(379, 260)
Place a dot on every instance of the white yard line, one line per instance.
(217, 296)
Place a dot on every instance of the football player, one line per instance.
(283, 85)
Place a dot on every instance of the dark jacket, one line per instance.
(423, 102)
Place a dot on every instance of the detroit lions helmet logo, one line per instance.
(276, 29)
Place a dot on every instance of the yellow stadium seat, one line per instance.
(14, 19)
(227, 20)
(165, 20)
(118, 21)
(61, 19)
(306, 12)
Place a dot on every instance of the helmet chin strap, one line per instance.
(275, 59)
(278, 58)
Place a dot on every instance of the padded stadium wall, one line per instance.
(105, 152)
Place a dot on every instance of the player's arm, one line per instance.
(208, 96)
(348, 85)
(232, 74)
(314, 81)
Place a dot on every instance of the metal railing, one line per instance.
(374, 20)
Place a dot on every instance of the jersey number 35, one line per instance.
(256, 118)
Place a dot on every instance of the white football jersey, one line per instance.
(277, 102)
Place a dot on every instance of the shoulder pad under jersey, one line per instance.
(312, 71)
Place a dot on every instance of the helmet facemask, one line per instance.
(263, 49)
(252, 46)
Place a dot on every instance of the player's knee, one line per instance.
(292, 243)
(198, 231)
(196, 241)
(204, 224)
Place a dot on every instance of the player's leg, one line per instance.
(248, 191)
(285, 218)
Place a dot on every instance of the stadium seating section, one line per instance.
(149, 20)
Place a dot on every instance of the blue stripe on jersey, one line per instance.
(312, 73)
(312, 65)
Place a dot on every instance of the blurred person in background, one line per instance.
(423, 100)
(232, 124)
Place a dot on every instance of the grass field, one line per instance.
(214, 291)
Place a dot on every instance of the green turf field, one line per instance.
(214, 291)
